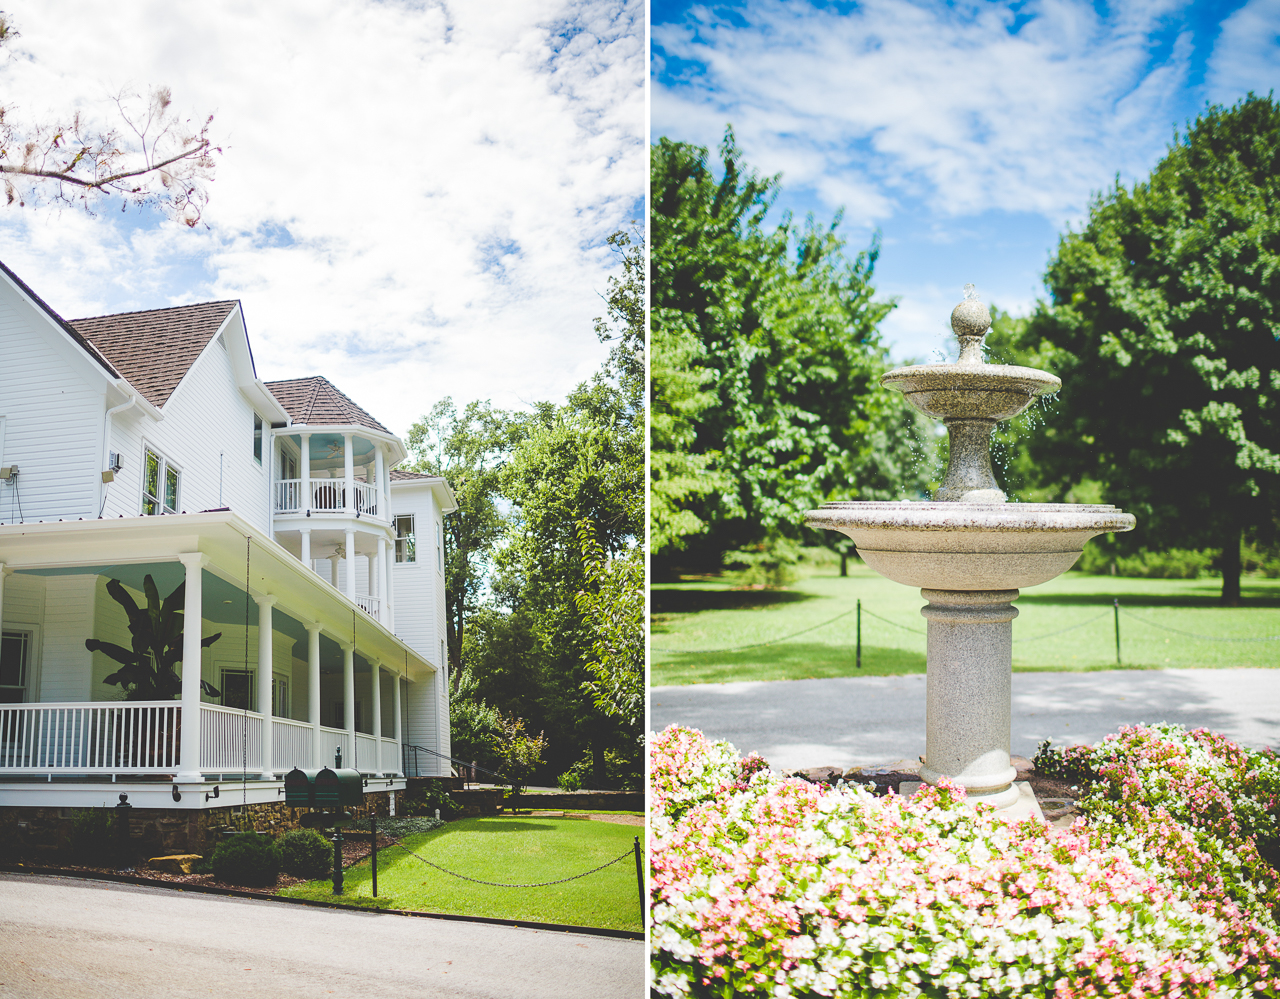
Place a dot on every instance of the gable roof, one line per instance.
(400, 475)
(70, 330)
(154, 349)
(317, 401)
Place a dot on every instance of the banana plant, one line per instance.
(147, 670)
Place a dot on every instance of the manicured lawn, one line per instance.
(707, 614)
(508, 850)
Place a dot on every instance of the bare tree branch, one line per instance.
(156, 158)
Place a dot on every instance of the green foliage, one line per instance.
(519, 753)
(766, 363)
(423, 800)
(770, 564)
(613, 608)
(473, 724)
(1163, 328)
(305, 853)
(92, 841)
(467, 450)
(246, 859)
(147, 670)
(622, 772)
(1100, 558)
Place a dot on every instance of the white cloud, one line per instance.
(412, 200)
(967, 107)
(1247, 53)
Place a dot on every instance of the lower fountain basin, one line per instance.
(970, 546)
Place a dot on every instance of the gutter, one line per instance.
(106, 445)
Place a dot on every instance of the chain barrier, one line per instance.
(1063, 631)
(499, 884)
(755, 645)
(914, 631)
(1192, 634)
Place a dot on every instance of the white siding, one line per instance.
(68, 623)
(426, 726)
(52, 405)
(419, 586)
(207, 433)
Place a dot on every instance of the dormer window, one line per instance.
(159, 485)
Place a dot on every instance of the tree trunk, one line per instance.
(1231, 566)
(844, 563)
(598, 776)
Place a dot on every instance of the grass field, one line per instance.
(1160, 620)
(508, 850)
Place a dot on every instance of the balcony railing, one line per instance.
(370, 605)
(327, 496)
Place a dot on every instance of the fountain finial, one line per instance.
(970, 321)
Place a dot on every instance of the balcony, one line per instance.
(294, 496)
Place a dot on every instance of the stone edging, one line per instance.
(133, 879)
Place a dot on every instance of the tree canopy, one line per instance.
(1163, 326)
(765, 363)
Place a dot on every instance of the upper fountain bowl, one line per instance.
(971, 391)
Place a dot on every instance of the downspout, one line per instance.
(106, 445)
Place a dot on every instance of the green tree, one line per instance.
(467, 449)
(779, 328)
(1165, 317)
(613, 607)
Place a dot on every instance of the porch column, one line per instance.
(349, 699)
(313, 693)
(349, 475)
(305, 557)
(306, 473)
(372, 559)
(391, 595)
(377, 715)
(192, 621)
(333, 570)
(265, 603)
(395, 701)
(379, 468)
(351, 561)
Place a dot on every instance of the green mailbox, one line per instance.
(323, 788)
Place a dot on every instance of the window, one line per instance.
(15, 653)
(280, 706)
(439, 547)
(237, 689)
(257, 438)
(442, 652)
(288, 465)
(406, 543)
(159, 485)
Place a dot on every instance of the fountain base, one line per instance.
(1024, 806)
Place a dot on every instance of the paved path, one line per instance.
(854, 721)
(72, 939)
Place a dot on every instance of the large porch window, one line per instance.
(15, 658)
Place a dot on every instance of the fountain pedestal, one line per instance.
(968, 691)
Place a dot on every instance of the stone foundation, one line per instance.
(43, 835)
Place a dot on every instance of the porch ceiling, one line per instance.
(137, 545)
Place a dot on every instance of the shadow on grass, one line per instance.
(1208, 596)
(787, 661)
(686, 601)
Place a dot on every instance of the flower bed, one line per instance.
(777, 887)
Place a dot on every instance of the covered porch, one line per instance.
(290, 670)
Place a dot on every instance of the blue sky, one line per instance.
(413, 197)
(970, 135)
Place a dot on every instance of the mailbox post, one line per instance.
(326, 788)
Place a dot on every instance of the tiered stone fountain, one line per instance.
(970, 551)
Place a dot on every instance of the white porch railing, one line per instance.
(390, 756)
(292, 742)
(230, 739)
(366, 499)
(333, 737)
(83, 737)
(289, 496)
(370, 605)
(367, 757)
(326, 496)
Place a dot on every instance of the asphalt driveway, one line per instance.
(856, 721)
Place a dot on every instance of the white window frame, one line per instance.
(410, 549)
(165, 465)
(29, 666)
(260, 430)
(439, 548)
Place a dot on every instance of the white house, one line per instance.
(143, 446)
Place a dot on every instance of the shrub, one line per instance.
(91, 839)
(771, 886)
(305, 853)
(424, 800)
(246, 859)
(622, 772)
(1167, 563)
(770, 564)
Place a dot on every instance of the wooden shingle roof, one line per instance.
(400, 475)
(316, 401)
(153, 350)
